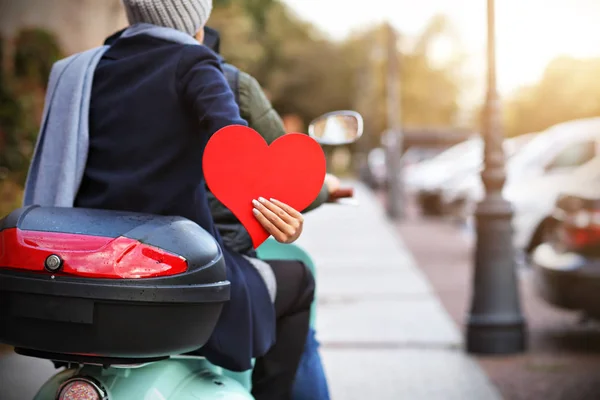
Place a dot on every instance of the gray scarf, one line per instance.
(61, 150)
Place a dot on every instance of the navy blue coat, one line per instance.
(154, 105)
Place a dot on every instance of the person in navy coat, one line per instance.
(157, 97)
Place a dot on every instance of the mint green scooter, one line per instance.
(45, 310)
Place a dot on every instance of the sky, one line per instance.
(530, 33)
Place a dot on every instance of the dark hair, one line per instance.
(212, 39)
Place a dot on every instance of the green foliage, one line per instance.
(13, 156)
(256, 10)
(21, 102)
(307, 75)
(36, 52)
(13, 160)
(11, 195)
(239, 45)
(288, 58)
(428, 94)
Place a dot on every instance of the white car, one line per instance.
(534, 200)
(460, 195)
(441, 179)
(376, 162)
(536, 173)
(431, 174)
(411, 159)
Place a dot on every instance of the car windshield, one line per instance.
(588, 172)
(515, 144)
(460, 150)
(530, 153)
(472, 150)
(418, 154)
(538, 148)
(584, 181)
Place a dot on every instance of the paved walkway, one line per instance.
(384, 333)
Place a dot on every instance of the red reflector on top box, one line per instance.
(87, 256)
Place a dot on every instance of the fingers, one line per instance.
(289, 210)
(280, 212)
(272, 221)
(269, 227)
(333, 183)
(279, 220)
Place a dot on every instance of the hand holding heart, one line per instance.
(240, 168)
(280, 220)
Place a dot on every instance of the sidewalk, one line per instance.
(384, 333)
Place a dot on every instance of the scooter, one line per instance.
(120, 298)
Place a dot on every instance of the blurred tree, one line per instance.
(429, 90)
(9, 117)
(257, 10)
(13, 160)
(36, 51)
(569, 89)
(308, 75)
(21, 105)
(431, 80)
(239, 45)
(289, 57)
(12, 116)
(243, 25)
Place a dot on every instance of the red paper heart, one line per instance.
(240, 167)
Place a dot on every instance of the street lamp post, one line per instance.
(495, 324)
(393, 136)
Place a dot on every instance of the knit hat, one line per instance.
(184, 15)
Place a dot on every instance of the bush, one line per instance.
(36, 52)
(21, 101)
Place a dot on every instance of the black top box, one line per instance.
(114, 286)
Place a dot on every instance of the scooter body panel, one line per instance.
(186, 378)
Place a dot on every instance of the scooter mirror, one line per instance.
(337, 128)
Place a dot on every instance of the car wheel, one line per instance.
(430, 205)
(545, 232)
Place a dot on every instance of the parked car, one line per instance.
(516, 143)
(411, 158)
(426, 178)
(416, 155)
(534, 176)
(534, 182)
(566, 266)
(376, 162)
(434, 181)
(460, 195)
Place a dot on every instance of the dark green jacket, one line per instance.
(257, 110)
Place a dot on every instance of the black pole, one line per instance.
(393, 136)
(495, 323)
(362, 149)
